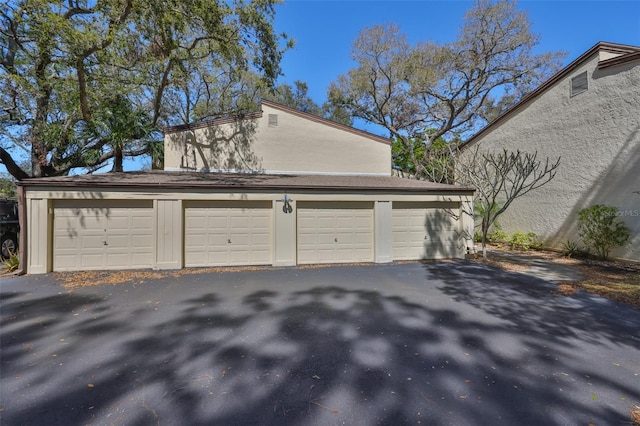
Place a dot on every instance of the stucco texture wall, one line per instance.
(294, 145)
(597, 136)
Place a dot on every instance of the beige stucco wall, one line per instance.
(597, 135)
(296, 145)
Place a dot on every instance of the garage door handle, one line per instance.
(105, 243)
(335, 240)
(228, 241)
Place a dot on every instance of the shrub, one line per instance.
(602, 230)
(498, 236)
(12, 262)
(571, 248)
(522, 241)
(477, 237)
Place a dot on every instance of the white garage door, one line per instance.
(426, 231)
(222, 233)
(102, 234)
(337, 232)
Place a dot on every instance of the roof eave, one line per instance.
(231, 187)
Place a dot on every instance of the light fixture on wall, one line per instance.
(286, 208)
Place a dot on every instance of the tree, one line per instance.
(439, 158)
(122, 126)
(430, 90)
(8, 187)
(298, 98)
(401, 154)
(499, 179)
(337, 113)
(66, 66)
(602, 229)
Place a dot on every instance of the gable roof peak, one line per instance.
(325, 121)
(616, 47)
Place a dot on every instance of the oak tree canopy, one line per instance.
(86, 82)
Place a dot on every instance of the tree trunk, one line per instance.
(117, 159)
(485, 231)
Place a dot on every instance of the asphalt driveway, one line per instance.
(439, 344)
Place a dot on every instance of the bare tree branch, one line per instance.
(500, 178)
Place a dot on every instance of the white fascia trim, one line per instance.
(273, 172)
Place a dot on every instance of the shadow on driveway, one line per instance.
(448, 343)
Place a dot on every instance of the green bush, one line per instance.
(602, 230)
(522, 241)
(477, 237)
(498, 236)
(12, 262)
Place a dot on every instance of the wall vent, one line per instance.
(579, 84)
(273, 120)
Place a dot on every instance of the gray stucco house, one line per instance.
(273, 187)
(589, 115)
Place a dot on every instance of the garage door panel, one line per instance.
(197, 240)
(119, 223)
(198, 223)
(241, 223)
(143, 242)
(335, 232)
(449, 237)
(215, 257)
(362, 238)
(88, 242)
(236, 233)
(89, 262)
(141, 225)
(238, 239)
(260, 240)
(343, 238)
(81, 228)
(118, 260)
(425, 231)
(323, 222)
(347, 223)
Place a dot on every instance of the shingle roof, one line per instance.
(244, 181)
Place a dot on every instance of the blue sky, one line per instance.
(325, 30)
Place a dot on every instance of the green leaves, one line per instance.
(602, 229)
(83, 80)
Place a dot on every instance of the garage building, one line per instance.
(209, 209)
